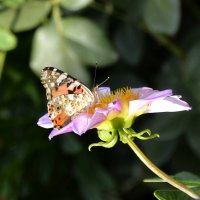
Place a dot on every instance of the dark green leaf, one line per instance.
(134, 8)
(31, 14)
(130, 43)
(162, 16)
(50, 49)
(75, 5)
(8, 41)
(88, 41)
(171, 195)
(186, 178)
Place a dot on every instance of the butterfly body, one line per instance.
(66, 96)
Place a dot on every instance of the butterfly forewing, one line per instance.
(66, 96)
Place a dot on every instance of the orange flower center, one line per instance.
(124, 95)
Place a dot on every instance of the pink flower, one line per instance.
(118, 109)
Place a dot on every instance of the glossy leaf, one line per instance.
(75, 5)
(51, 49)
(8, 41)
(186, 178)
(162, 16)
(88, 41)
(31, 14)
(171, 195)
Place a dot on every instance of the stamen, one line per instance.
(124, 95)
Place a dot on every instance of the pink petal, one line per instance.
(66, 129)
(149, 93)
(103, 90)
(168, 104)
(45, 122)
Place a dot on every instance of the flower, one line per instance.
(117, 110)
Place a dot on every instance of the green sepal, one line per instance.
(109, 139)
(130, 133)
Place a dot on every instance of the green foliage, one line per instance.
(186, 178)
(162, 16)
(137, 43)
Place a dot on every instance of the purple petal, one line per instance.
(65, 129)
(149, 93)
(45, 122)
(103, 90)
(168, 104)
(158, 101)
(81, 123)
(84, 122)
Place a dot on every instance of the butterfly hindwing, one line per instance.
(66, 96)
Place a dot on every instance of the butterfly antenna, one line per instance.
(95, 75)
(103, 81)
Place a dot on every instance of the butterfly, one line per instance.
(66, 96)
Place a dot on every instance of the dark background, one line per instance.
(136, 43)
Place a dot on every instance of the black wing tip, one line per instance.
(52, 69)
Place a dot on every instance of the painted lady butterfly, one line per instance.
(66, 96)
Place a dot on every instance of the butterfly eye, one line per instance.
(58, 107)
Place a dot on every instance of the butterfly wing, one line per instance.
(66, 96)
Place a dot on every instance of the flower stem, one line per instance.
(57, 15)
(160, 173)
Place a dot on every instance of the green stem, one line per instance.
(160, 173)
(57, 15)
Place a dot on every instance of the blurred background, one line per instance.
(136, 43)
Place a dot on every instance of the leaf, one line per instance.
(171, 195)
(88, 41)
(133, 8)
(8, 41)
(31, 14)
(7, 17)
(187, 178)
(162, 16)
(75, 5)
(50, 49)
(130, 43)
(13, 3)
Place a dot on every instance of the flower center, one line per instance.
(124, 95)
